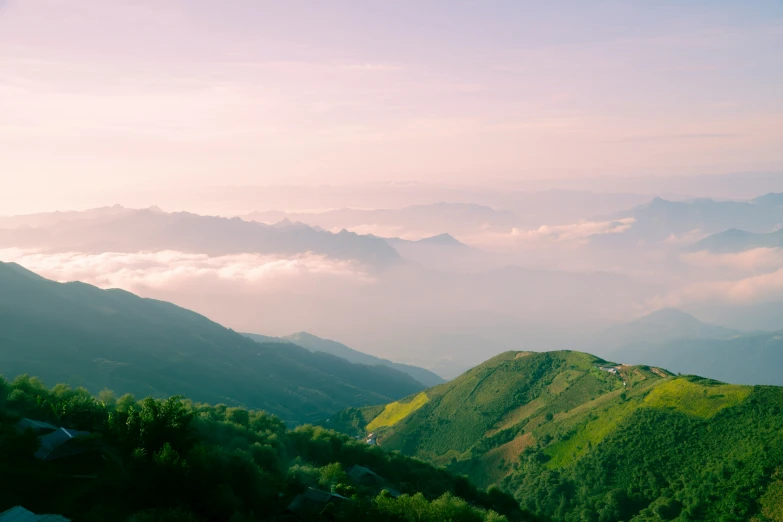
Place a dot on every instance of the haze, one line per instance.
(432, 183)
(102, 99)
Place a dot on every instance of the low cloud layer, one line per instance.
(170, 268)
(749, 290)
(758, 259)
(580, 230)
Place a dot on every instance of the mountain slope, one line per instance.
(575, 438)
(85, 336)
(317, 344)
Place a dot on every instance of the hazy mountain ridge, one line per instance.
(678, 341)
(734, 240)
(134, 230)
(662, 325)
(435, 218)
(77, 333)
(317, 344)
(661, 219)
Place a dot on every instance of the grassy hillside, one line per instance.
(79, 334)
(574, 442)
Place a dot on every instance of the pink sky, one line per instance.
(107, 97)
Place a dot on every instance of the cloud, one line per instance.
(670, 137)
(372, 67)
(749, 290)
(758, 259)
(580, 230)
(156, 270)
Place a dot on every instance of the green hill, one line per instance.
(573, 440)
(85, 336)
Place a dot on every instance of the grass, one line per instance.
(696, 399)
(592, 432)
(396, 411)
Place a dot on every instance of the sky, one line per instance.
(110, 97)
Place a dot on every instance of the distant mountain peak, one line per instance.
(668, 316)
(773, 198)
(304, 335)
(442, 240)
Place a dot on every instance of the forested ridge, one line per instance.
(175, 460)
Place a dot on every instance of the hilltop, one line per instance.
(569, 433)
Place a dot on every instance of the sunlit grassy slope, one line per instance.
(696, 399)
(396, 411)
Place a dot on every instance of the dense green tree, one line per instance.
(176, 461)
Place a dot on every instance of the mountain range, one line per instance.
(133, 230)
(85, 336)
(435, 218)
(661, 219)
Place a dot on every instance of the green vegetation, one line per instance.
(396, 411)
(575, 442)
(175, 460)
(696, 399)
(85, 336)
